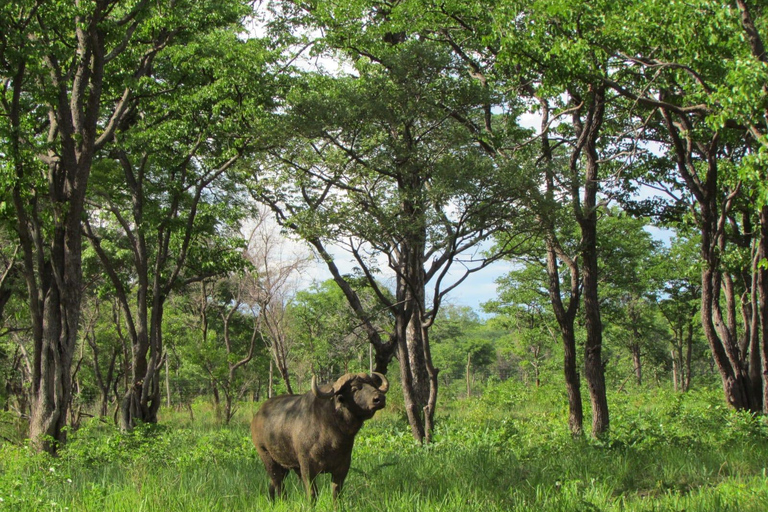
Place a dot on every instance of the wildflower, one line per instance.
(52, 470)
(69, 480)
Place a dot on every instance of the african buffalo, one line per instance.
(313, 433)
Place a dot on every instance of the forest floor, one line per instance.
(507, 450)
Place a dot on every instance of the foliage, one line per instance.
(459, 335)
(328, 330)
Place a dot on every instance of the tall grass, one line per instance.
(508, 450)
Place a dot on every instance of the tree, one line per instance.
(523, 308)
(679, 298)
(8, 270)
(693, 95)
(541, 52)
(326, 327)
(627, 258)
(69, 76)
(462, 345)
(101, 334)
(167, 194)
(278, 266)
(748, 109)
(384, 170)
(227, 350)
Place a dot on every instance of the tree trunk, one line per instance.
(587, 218)
(51, 380)
(757, 48)
(565, 319)
(721, 332)
(687, 376)
(565, 315)
(637, 363)
(704, 184)
(418, 366)
(216, 400)
(762, 285)
(469, 366)
(270, 391)
(228, 411)
(167, 384)
(410, 398)
(751, 309)
(143, 398)
(735, 379)
(283, 370)
(418, 375)
(675, 371)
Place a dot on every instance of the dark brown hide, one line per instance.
(314, 433)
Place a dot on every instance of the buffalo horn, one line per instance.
(384, 382)
(317, 392)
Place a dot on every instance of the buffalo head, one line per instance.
(360, 393)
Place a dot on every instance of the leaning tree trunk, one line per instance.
(757, 47)
(722, 341)
(703, 182)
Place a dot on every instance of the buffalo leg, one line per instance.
(337, 481)
(308, 476)
(276, 475)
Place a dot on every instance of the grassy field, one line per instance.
(508, 450)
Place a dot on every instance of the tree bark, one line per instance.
(53, 254)
(688, 376)
(762, 285)
(588, 132)
(467, 373)
(637, 363)
(720, 335)
(270, 392)
(565, 316)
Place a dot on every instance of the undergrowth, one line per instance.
(507, 450)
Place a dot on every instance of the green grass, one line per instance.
(509, 450)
